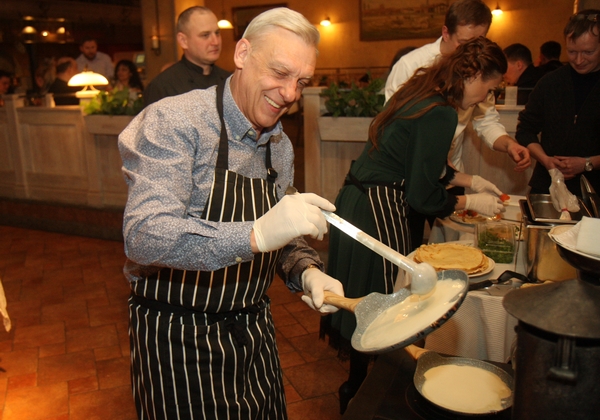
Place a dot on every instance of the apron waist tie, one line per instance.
(352, 180)
(236, 328)
(211, 316)
(182, 310)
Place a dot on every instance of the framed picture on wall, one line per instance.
(243, 15)
(401, 19)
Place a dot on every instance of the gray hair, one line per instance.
(184, 17)
(282, 17)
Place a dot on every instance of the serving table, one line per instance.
(481, 328)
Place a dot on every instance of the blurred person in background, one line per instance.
(5, 85)
(94, 60)
(521, 72)
(560, 124)
(127, 76)
(549, 58)
(200, 38)
(44, 76)
(66, 67)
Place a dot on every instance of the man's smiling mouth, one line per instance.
(273, 104)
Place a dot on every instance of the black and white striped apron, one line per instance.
(390, 211)
(203, 343)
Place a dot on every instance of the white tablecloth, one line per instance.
(481, 328)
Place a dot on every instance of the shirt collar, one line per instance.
(239, 126)
(193, 66)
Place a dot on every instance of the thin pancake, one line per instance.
(452, 256)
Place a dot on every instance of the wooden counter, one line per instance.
(58, 155)
(327, 157)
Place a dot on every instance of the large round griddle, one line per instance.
(429, 359)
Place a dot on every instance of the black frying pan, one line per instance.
(429, 359)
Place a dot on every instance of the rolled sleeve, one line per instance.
(486, 121)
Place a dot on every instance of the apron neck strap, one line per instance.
(223, 156)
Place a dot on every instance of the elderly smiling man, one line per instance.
(208, 224)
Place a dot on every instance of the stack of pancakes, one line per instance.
(452, 256)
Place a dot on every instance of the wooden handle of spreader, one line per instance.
(341, 301)
(415, 351)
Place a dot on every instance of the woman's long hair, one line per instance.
(446, 78)
(134, 80)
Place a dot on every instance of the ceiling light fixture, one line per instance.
(224, 23)
(326, 21)
(497, 11)
(29, 34)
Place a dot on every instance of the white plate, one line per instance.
(491, 263)
(568, 241)
(457, 219)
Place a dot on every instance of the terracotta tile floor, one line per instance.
(67, 355)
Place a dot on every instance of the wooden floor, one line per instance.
(67, 354)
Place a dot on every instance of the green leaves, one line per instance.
(354, 101)
(116, 102)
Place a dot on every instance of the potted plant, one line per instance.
(350, 110)
(110, 112)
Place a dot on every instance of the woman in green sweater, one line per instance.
(404, 167)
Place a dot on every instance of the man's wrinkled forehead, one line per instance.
(273, 42)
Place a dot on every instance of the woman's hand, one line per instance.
(484, 203)
(481, 185)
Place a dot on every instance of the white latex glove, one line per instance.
(295, 215)
(561, 197)
(482, 185)
(484, 203)
(314, 283)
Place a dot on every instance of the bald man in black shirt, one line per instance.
(200, 38)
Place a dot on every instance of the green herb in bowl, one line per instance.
(497, 242)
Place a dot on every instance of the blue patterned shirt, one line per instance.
(169, 153)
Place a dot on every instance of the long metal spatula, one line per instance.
(424, 276)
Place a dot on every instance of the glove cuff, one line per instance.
(467, 202)
(260, 240)
(304, 272)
